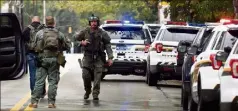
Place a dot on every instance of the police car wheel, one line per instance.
(205, 106)
(184, 95)
(152, 79)
(192, 106)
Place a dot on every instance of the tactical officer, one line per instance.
(50, 44)
(29, 35)
(94, 41)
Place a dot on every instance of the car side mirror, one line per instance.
(227, 49)
(193, 50)
(182, 48)
(221, 56)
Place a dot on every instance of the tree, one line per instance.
(235, 4)
(121, 9)
(201, 10)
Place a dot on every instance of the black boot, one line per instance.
(86, 95)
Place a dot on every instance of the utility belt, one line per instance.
(49, 54)
(95, 55)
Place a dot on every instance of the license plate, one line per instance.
(121, 47)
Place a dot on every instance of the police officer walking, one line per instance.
(29, 37)
(50, 44)
(94, 41)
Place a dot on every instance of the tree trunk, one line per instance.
(235, 4)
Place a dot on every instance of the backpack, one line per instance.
(33, 31)
(50, 41)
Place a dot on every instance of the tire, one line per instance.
(205, 106)
(152, 79)
(192, 106)
(146, 75)
(185, 96)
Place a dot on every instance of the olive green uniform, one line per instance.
(48, 66)
(92, 62)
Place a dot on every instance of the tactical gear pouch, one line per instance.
(31, 44)
(61, 59)
(51, 39)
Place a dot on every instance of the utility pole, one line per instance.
(44, 11)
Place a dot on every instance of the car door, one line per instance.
(12, 50)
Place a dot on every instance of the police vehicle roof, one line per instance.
(122, 25)
(153, 24)
(182, 27)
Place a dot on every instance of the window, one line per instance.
(216, 37)
(154, 30)
(175, 34)
(197, 37)
(229, 39)
(206, 42)
(132, 33)
(147, 33)
(159, 34)
(217, 47)
(5, 21)
(205, 37)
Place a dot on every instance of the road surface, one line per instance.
(118, 93)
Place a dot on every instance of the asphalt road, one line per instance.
(118, 93)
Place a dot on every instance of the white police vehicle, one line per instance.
(205, 78)
(225, 63)
(162, 58)
(130, 41)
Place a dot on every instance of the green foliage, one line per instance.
(201, 10)
(116, 10)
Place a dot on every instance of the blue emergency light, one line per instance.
(123, 22)
(196, 24)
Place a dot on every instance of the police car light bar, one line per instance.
(229, 21)
(176, 23)
(196, 24)
(113, 21)
(123, 22)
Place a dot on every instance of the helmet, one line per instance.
(94, 18)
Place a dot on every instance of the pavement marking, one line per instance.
(19, 104)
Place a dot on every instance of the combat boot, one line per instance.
(51, 106)
(95, 97)
(86, 95)
(33, 105)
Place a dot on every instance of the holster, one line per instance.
(61, 59)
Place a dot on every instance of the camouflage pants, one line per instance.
(49, 68)
(95, 68)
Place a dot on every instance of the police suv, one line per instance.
(202, 38)
(130, 41)
(205, 80)
(225, 62)
(162, 58)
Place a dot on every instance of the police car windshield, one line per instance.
(154, 30)
(131, 33)
(175, 34)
